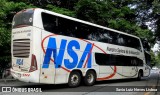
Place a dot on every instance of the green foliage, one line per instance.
(117, 15)
(155, 59)
(148, 11)
(93, 11)
(61, 10)
(144, 33)
(156, 15)
(7, 11)
(158, 59)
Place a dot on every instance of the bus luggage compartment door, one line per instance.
(47, 74)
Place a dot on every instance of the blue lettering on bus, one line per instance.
(84, 55)
(19, 61)
(58, 55)
(72, 54)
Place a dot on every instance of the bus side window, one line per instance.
(120, 41)
(65, 27)
(104, 36)
(94, 36)
(49, 22)
(136, 44)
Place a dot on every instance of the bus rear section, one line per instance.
(24, 62)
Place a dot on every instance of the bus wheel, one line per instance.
(139, 75)
(74, 79)
(90, 78)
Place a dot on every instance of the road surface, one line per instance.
(110, 87)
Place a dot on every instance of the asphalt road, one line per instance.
(110, 87)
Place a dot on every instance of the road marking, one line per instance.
(101, 85)
(148, 93)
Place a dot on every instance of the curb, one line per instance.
(5, 80)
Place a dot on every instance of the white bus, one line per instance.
(52, 48)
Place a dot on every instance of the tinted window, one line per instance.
(23, 18)
(128, 41)
(83, 30)
(135, 43)
(117, 60)
(71, 28)
(49, 22)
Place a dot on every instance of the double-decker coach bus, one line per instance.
(52, 48)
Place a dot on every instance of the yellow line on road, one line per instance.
(148, 93)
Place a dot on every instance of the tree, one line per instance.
(60, 10)
(156, 17)
(116, 14)
(7, 11)
(153, 59)
(148, 14)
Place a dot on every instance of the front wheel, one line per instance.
(74, 79)
(90, 78)
(139, 76)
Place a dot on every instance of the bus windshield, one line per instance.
(23, 18)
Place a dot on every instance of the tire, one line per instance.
(74, 79)
(139, 76)
(90, 78)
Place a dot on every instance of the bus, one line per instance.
(52, 48)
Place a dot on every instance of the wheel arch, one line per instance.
(141, 71)
(91, 70)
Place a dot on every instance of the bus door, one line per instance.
(47, 67)
(54, 73)
(47, 73)
(61, 72)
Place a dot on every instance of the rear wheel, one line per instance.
(74, 79)
(90, 78)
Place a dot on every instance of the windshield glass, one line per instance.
(23, 18)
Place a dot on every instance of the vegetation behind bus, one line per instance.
(116, 15)
(7, 11)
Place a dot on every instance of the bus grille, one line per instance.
(21, 48)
